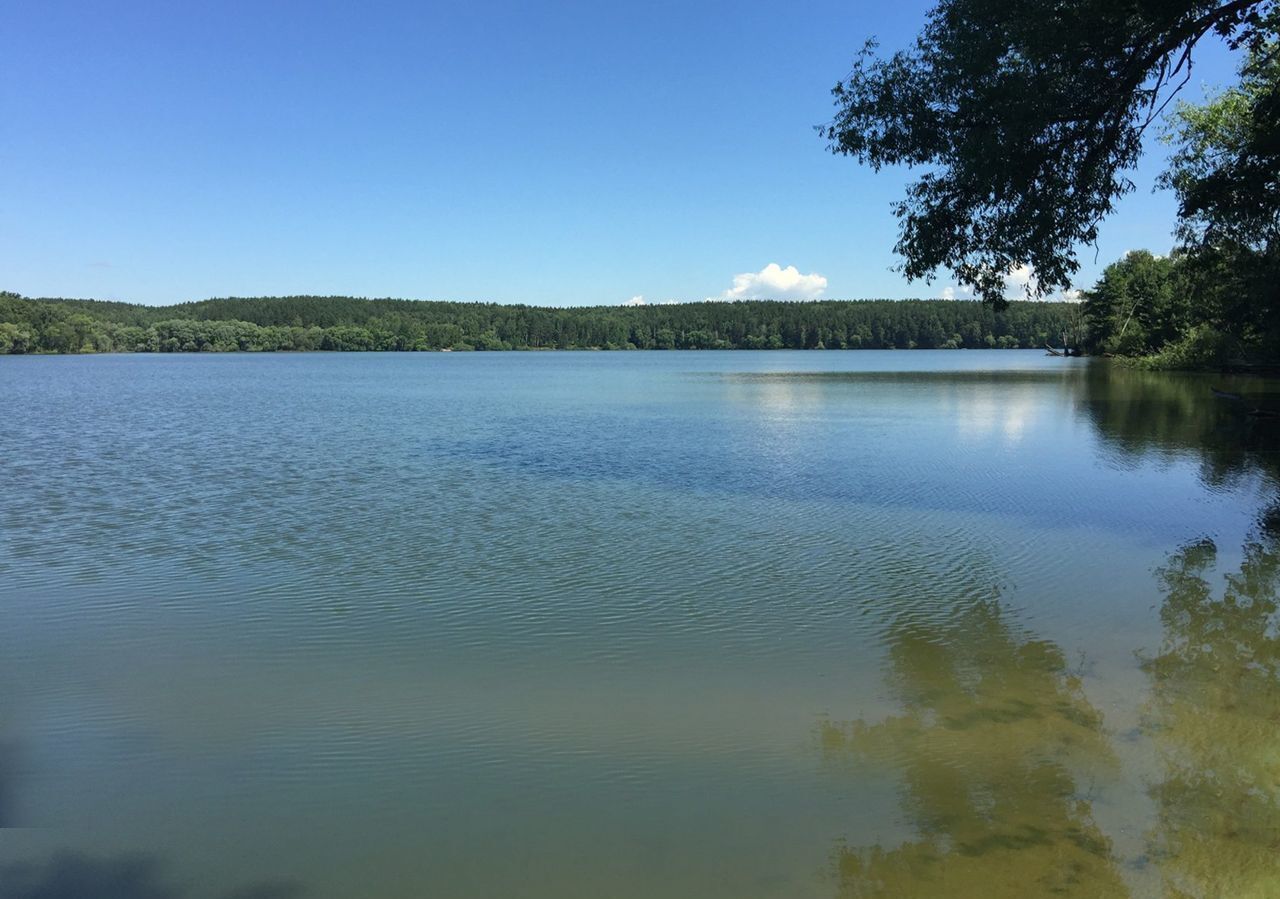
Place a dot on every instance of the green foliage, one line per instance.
(14, 338)
(1226, 175)
(346, 324)
(1217, 300)
(1226, 171)
(1025, 115)
(1138, 305)
(1201, 348)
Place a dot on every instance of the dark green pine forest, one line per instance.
(347, 324)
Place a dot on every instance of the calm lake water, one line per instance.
(635, 625)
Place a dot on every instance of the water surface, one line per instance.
(633, 625)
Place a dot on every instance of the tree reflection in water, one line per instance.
(1161, 416)
(1214, 713)
(995, 736)
(74, 875)
(7, 754)
(993, 733)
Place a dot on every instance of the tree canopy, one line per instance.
(1226, 176)
(1216, 299)
(1138, 305)
(347, 323)
(1025, 116)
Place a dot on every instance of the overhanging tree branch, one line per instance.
(1026, 114)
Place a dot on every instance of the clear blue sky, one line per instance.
(549, 153)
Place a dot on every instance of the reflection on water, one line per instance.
(1214, 714)
(73, 875)
(1160, 415)
(7, 754)
(990, 743)
(999, 751)
(1214, 707)
(557, 625)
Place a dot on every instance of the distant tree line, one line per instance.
(349, 324)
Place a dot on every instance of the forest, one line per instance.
(350, 324)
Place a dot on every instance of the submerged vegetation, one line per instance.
(345, 323)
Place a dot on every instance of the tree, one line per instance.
(343, 323)
(14, 338)
(1137, 305)
(1226, 176)
(1025, 115)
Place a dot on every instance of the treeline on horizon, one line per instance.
(303, 323)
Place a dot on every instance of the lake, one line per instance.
(625, 625)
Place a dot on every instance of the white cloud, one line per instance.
(775, 283)
(637, 300)
(1019, 280)
(1022, 278)
(1016, 283)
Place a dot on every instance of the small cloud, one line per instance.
(97, 265)
(775, 283)
(637, 300)
(1019, 283)
(1019, 279)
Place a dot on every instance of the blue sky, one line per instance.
(547, 153)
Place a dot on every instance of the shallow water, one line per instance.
(635, 625)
